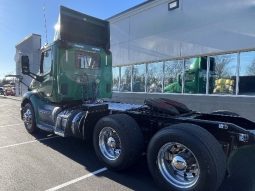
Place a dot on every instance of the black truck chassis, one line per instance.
(186, 150)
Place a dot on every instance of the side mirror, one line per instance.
(25, 65)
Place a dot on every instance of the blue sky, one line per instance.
(20, 18)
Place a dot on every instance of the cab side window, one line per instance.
(47, 62)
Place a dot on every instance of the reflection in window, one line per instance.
(195, 75)
(115, 78)
(155, 77)
(125, 80)
(225, 74)
(247, 73)
(173, 76)
(222, 75)
(139, 72)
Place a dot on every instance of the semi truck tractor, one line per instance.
(186, 150)
(194, 78)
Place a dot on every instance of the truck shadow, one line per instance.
(241, 166)
(135, 178)
(241, 171)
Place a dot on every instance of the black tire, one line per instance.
(129, 135)
(226, 112)
(207, 151)
(30, 126)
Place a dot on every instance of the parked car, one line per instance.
(9, 92)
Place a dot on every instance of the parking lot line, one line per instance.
(77, 179)
(27, 142)
(11, 125)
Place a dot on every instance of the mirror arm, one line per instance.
(39, 78)
(24, 83)
(36, 77)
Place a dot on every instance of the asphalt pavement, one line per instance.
(48, 162)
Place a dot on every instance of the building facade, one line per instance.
(201, 53)
(30, 46)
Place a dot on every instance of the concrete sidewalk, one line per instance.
(17, 98)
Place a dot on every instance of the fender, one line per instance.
(26, 98)
(35, 100)
(89, 122)
(24, 101)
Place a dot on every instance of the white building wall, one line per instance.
(30, 46)
(151, 32)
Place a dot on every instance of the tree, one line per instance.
(139, 78)
(139, 73)
(154, 77)
(251, 68)
(222, 69)
(172, 70)
(5, 81)
(125, 84)
(115, 79)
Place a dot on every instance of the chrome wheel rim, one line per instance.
(27, 117)
(178, 165)
(109, 143)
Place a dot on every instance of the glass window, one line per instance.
(115, 78)
(87, 60)
(247, 73)
(139, 72)
(173, 76)
(195, 75)
(47, 61)
(155, 77)
(224, 78)
(125, 80)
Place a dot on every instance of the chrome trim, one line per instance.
(109, 143)
(178, 165)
